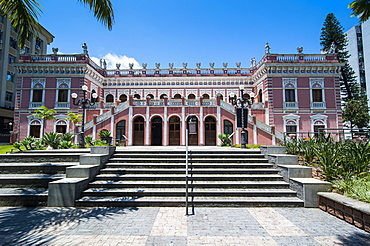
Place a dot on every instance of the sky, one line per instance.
(191, 31)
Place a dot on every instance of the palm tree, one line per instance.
(43, 113)
(23, 15)
(360, 8)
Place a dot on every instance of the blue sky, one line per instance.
(177, 31)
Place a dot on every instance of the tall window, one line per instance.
(37, 95)
(291, 129)
(290, 95)
(63, 95)
(121, 130)
(228, 127)
(13, 43)
(123, 98)
(8, 96)
(11, 59)
(317, 95)
(35, 128)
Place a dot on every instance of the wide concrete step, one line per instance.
(177, 177)
(28, 157)
(183, 165)
(28, 180)
(193, 192)
(182, 160)
(148, 151)
(197, 202)
(191, 156)
(191, 171)
(145, 184)
(35, 167)
(23, 197)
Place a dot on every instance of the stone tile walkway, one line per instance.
(170, 226)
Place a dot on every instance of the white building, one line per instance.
(359, 49)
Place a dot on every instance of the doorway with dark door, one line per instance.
(157, 131)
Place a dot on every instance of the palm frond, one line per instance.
(360, 8)
(103, 11)
(23, 16)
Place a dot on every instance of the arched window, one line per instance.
(121, 130)
(228, 127)
(191, 96)
(123, 98)
(177, 96)
(150, 96)
(163, 96)
(109, 98)
(137, 96)
(35, 128)
(259, 97)
(205, 96)
(61, 126)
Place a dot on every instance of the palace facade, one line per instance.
(294, 93)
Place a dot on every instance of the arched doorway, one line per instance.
(193, 130)
(174, 128)
(210, 131)
(139, 131)
(157, 131)
(121, 131)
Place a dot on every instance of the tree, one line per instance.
(43, 113)
(74, 118)
(334, 40)
(360, 8)
(356, 111)
(23, 15)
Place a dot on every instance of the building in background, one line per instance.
(9, 54)
(359, 49)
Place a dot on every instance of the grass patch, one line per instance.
(6, 148)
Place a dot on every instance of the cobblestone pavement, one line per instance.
(170, 226)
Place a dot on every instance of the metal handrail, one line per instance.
(187, 174)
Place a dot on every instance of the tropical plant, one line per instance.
(225, 140)
(66, 145)
(43, 113)
(74, 118)
(29, 143)
(66, 137)
(52, 139)
(104, 133)
(360, 8)
(23, 15)
(356, 188)
(97, 142)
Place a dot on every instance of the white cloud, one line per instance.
(113, 59)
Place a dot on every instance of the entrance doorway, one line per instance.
(138, 131)
(193, 131)
(174, 134)
(210, 131)
(157, 131)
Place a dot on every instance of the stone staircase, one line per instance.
(217, 177)
(24, 177)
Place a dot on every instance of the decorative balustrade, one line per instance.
(279, 135)
(175, 102)
(109, 105)
(154, 102)
(36, 104)
(138, 102)
(263, 126)
(103, 117)
(228, 107)
(318, 105)
(59, 105)
(291, 105)
(121, 107)
(192, 102)
(89, 125)
(209, 102)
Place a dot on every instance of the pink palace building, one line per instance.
(294, 93)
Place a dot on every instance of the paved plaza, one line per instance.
(170, 226)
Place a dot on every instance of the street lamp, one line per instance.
(85, 103)
(242, 104)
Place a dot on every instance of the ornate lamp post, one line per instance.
(85, 103)
(242, 104)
